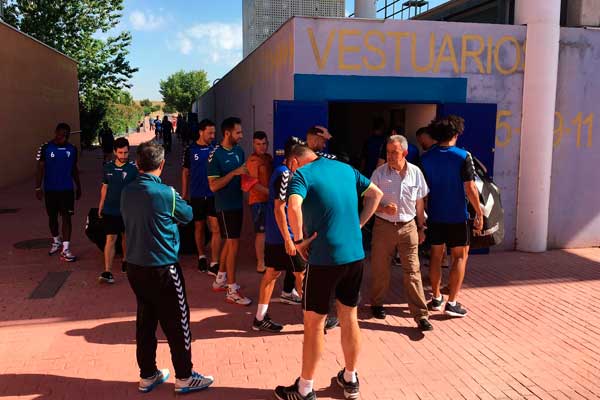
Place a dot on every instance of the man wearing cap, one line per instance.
(399, 225)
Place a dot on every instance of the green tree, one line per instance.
(167, 109)
(182, 88)
(145, 103)
(122, 113)
(81, 29)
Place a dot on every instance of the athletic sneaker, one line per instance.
(350, 388)
(54, 248)
(67, 256)
(331, 322)
(292, 298)
(202, 264)
(266, 325)
(455, 310)
(219, 286)
(147, 384)
(436, 304)
(292, 393)
(106, 277)
(213, 270)
(193, 383)
(235, 297)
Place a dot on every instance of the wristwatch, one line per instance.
(298, 241)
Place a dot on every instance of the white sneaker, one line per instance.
(147, 384)
(67, 256)
(219, 286)
(54, 248)
(292, 298)
(235, 297)
(193, 383)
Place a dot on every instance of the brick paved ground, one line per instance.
(533, 330)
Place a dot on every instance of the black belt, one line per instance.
(399, 223)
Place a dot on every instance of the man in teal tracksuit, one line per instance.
(151, 211)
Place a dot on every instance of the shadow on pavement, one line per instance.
(47, 387)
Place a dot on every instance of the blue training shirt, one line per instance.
(222, 161)
(278, 185)
(331, 190)
(116, 178)
(59, 162)
(446, 170)
(195, 158)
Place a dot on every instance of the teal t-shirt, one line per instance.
(331, 190)
(221, 162)
(116, 178)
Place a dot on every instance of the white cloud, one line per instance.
(217, 42)
(142, 22)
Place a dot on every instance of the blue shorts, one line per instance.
(258, 217)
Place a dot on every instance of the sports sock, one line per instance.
(305, 386)
(221, 276)
(212, 264)
(200, 257)
(261, 311)
(234, 287)
(349, 376)
(452, 303)
(56, 239)
(66, 245)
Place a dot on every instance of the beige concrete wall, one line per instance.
(39, 89)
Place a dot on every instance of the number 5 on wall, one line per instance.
(500, 124)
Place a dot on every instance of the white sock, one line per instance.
(221, 276)
(452, 303)
(233, 287)
(261, 311)
(439, 298)
(56, 239)
(200, 257)
(349, 376)
(212, 264)
(65, 246)
(305, 386)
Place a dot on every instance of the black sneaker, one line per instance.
(202, 264)
(213, 270)
(425, 325)
(124, 267)
(350, 388)
(291, 393)
(378, 312)
(436, 304)
(266, 325)
(106, 277)
(455, 311)
(331, 322)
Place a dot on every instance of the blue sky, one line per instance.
(170, 35)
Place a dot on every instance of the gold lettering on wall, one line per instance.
(451, 57)
(413, 53)
(374, 49)
(321, 60)
(475, 55)
(343, 49)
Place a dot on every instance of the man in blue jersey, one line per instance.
(225, 166)
(280, 251)
(55, 174)
(116, 175)
(194, 182)
(151, 211)
(323, 202)
(450, 175)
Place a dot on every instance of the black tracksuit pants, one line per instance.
(160, 293)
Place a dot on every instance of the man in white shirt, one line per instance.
(399, 224)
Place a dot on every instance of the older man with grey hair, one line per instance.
(399, 225)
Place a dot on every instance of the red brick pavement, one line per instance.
(532, 331)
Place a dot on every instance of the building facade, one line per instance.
(261, 18)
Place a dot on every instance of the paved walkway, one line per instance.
(533, 330)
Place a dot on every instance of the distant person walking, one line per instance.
(167, 133)
(158, 129)
(151, 211)
(55, 174)
(106, 138)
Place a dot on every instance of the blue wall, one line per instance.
(376, 88)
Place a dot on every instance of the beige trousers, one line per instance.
(404, 237)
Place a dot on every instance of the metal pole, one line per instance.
(365, 8)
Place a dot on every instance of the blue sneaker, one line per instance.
(147, 384)
(193, 383)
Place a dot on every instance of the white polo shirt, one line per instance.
(404, 191)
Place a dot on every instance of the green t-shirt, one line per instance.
(116, 178)
(331, 190)
(221, 162)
